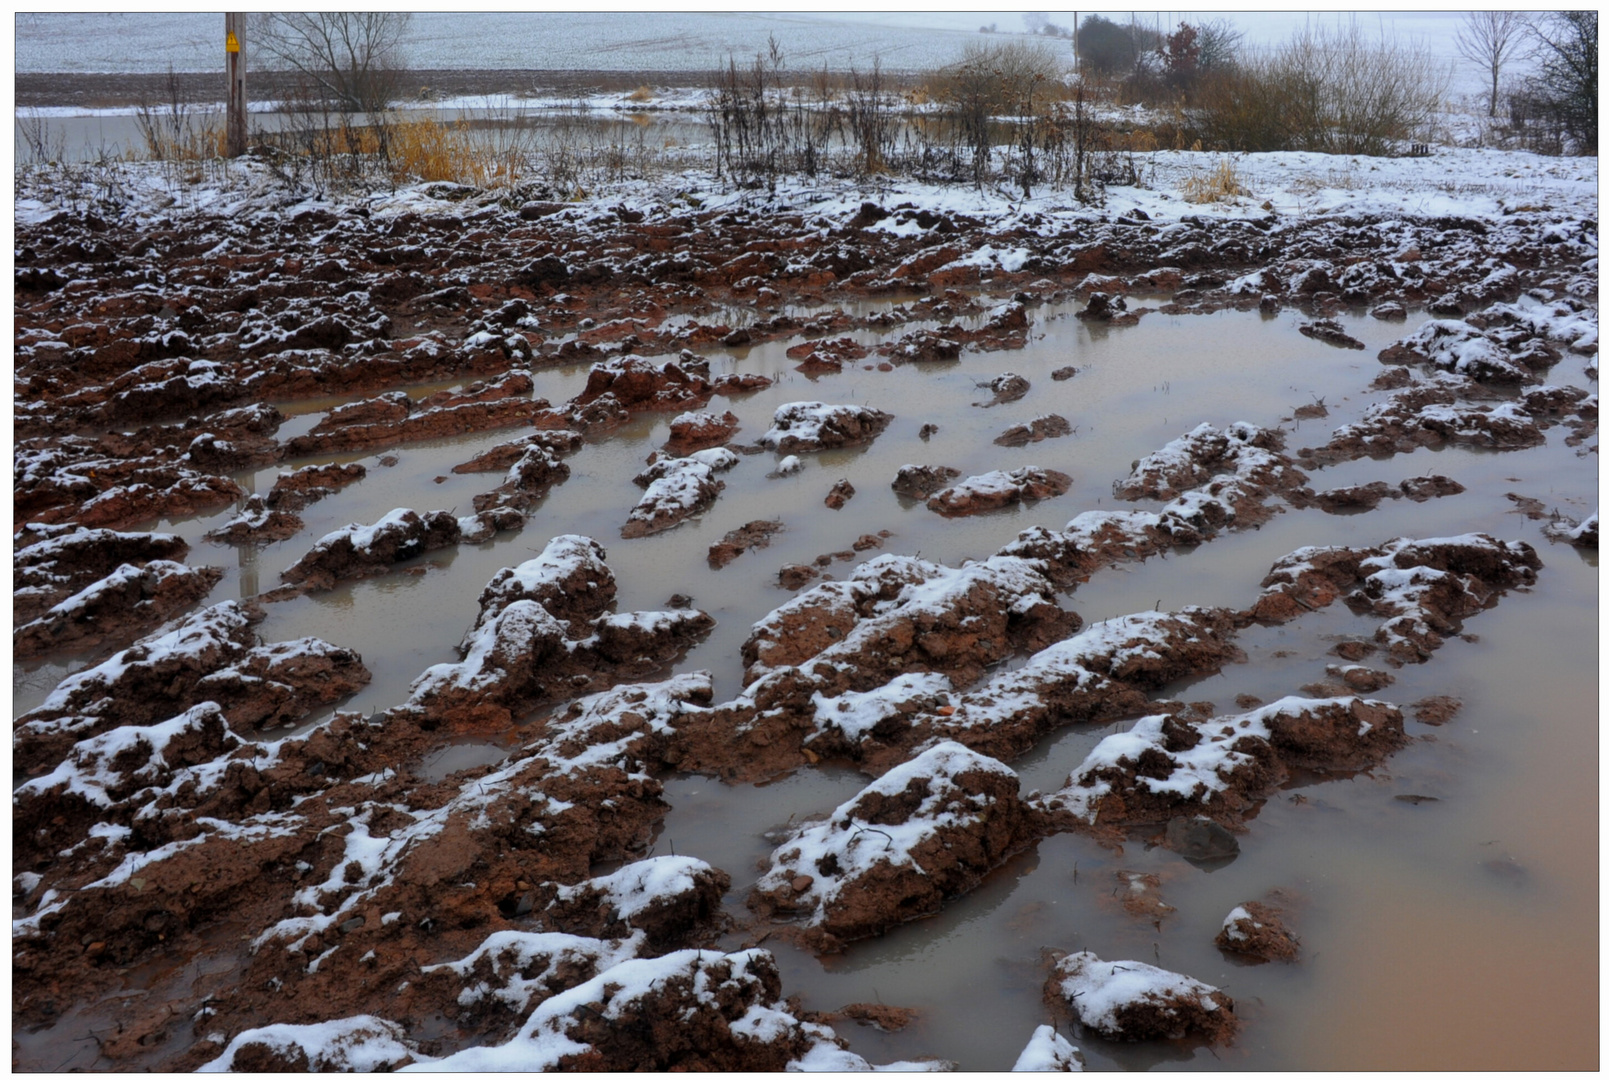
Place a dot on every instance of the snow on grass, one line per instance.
(1296, 186)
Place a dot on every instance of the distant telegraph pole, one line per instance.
(234, 44)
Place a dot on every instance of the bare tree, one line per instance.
(1220, 45)
(351, 59)
(1567, 50)
(1491, 39)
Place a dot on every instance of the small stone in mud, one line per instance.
(867, 542)
(927, 432)
(1062, 374)
(802, 882)
(1436, 711)
(796, 575)
(1255, 930)
(388, 460)
(840, 494)
(679, 601)
(1201, 838)
(1247, 701)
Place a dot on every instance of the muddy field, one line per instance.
(617, 637)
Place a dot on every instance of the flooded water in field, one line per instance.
(1458, 933)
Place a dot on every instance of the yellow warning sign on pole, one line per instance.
(231, 43)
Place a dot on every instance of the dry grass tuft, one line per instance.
(1222, 184)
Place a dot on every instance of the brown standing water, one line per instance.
(1459, 933)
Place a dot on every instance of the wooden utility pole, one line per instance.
(234, 39)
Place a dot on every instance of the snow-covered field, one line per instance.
(646, 41)
(1451, 181)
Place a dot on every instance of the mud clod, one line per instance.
(115, 610)
(1038, 429)
(995, 490)
(756, 534)
(927, 830)
(364, 550)
(1436, 711)
(921, 481)
(1331, 333)
(840, 495)
(1255, 930)
(1131, 1001)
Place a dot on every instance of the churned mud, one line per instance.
(557, 470)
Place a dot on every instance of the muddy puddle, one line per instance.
(1456, 930)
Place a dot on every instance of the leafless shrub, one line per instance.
(1332, 91)
(172, 129)
(40, 141)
